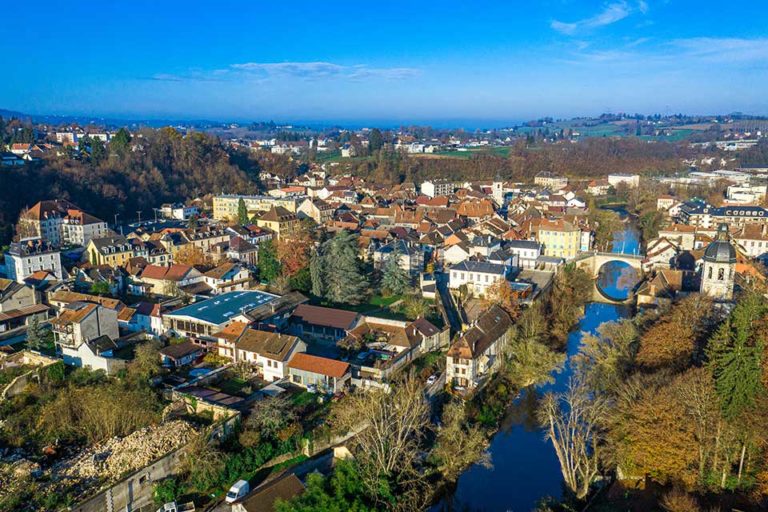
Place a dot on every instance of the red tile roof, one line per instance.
(319, 365)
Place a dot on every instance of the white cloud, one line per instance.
(733, 50)
(313, 70)
(611, 13)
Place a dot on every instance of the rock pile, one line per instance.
(113, 459)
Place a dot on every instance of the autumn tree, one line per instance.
(676, 338)
(501, 294)
(192, 255)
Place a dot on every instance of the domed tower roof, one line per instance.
(721, 250)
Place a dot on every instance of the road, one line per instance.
(445, 298)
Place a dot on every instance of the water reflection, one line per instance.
(617, 279)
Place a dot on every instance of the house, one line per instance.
(630, 180)
(227, 277)
(410, 257)
(264, 497)
(527, 252)
(478, 352)
(278, 220)
(178, 211)
(433, 188)
(243, 251)
(321, 373)
(202, 319)
(19, 305)
(476, 275)
(60, 222)
(665, 202)
(84, 333)
(270, 352)
(180, 354)
(27, 257)
(560, 238)
(148, 317)
(598, 187)
(114, 251)
(660, 253)
(550, 180)
(8, 159)
(322, 323)
(170, 280)
(316, 209)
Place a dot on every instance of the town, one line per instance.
(262, 317)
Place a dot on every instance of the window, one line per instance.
(709, 275)
(721, 274)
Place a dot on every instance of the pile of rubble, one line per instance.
(113, 459)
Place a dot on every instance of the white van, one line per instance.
(237, 491)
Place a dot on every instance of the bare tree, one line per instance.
(571, 422)
(458, 444)
(387, 450)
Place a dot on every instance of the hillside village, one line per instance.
(328, 283)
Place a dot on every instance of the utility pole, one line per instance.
(139, 214)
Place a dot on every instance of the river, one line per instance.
(525, 468)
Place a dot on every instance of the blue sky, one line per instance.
(390, 61)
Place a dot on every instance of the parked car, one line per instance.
(431, 380)
(177, 507)
(237, 491)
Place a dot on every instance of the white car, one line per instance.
(237, 491)
(431, 380)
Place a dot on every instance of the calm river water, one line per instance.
(525, 467)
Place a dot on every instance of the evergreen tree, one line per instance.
(269, 265)
(375, 140)
(34, 334)
(120, 142)
(316, 273)
(242, 212)
(736, 357)
(345, 281)
(394, 279)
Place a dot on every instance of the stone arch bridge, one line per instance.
(593, 261)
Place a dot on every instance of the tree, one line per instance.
(394, 279)
(98, 150)
(121, 142)
(530, 362)
(341, 491)
(571, 420)
(674, 341)
(204, 464)
(345, 281)
(458, 444)
(34, 334)
(604, 223)
(293, 251)
(387, 450)
(192, 255)
(414, 307)
(604, 360)
(266, 419)
(317, 274)
(375, 140)
(501, 294)
(269, 265)
(100, 288)
(242, 213)
(146, 361)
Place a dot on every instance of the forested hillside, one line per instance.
(134, 173)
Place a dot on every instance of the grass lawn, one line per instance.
(303, 398)
(375, 302)
(231, 386)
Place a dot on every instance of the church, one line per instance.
(719, 268)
